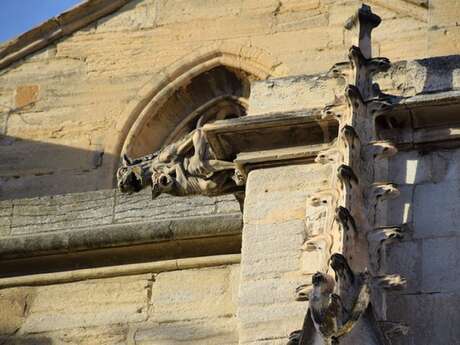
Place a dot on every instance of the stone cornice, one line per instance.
(269, 132)
(424, 119)
(55, 28)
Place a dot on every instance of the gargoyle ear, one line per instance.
(126, 160)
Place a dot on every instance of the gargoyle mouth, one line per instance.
(130, 184)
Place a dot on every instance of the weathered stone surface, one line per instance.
(194, 332)
(274, 232)
(6, 212)
(139, 207)
(86, 79)
(405, 258)
(88, 304)
(26, 95)
(293, 93)
(171, 301)
(432, 318)
(396, 211)
(136, 15)
(192, 307)
(108, 335)
(13, 303)
(62, 212)
(441, 271)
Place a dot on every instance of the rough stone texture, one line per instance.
(192, 307)
(73, 102)
(428, 256)
(85, 304)
(274, 232)
(142, 309)
(90, 80)
(82, 210)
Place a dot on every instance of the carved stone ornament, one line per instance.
(186, 167)
(340, 308)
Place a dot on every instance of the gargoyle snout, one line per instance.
(318, 279)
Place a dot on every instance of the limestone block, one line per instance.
(58, 125)
(6, 211)
(27, 158)
(274, 249)
(62, 182)
(396, 211)
(443, 40)
(444, 12)
(136, 15)
(275, 207)
(245, 25)
(108, 335)
(432, 217)
(314, 260)
(441, 271)
(139, 207)
(191, 332)
(26, 95)
(405, 258)
(275, 321)
(268, 291)
(432, 318)
(13, 304)
(293, 17)
(274, 232)
(62, 212)
(192, 294)
(407, 168)
(183, 10)
(293, 178)
(414, 46)
(292, 93)
(41, 71)
(88, 303)
(340, 11)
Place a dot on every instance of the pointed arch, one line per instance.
(154, 94)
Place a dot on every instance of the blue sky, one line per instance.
(18, 16)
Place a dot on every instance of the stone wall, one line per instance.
(70, 102)
(273, 263)
(69, 231)
(429, 254)
(164, 308)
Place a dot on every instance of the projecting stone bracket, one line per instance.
(378, 238)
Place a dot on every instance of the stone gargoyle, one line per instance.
(186, 167)
(339, 309)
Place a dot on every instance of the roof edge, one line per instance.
(55, 28)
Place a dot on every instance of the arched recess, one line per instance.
(163, 107)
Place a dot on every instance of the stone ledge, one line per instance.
(285, 129)
(116, 235)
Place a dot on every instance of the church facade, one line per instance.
(232, 172)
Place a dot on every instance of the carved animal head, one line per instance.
(130, 176)
(161, 183)
(324, 282)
